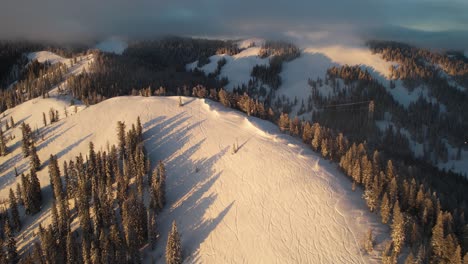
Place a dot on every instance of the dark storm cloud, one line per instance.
(430, 22)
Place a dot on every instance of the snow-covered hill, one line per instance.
(274, 201)
(238, 67)
(75, 65)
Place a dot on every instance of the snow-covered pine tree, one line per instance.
(173, 247)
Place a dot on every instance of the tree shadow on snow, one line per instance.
(190, 176)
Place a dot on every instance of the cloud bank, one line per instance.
(435, 23)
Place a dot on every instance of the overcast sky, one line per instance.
(437, 23)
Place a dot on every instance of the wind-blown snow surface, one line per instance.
(274, 201)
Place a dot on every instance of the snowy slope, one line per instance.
(274, 201)
(237, 68)
(46, 56)
(83, 62)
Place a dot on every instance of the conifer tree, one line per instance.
(37, 253)
(2, 252)
(35, 162)
(71, 252)
(398, 228)
(3, 147)
(15, 217)
(27, 139)
(117, 244)
(369, 244)
(161, 185)
(385, 209)
(437, 239)
(317, 139)
(35, 189)
(55, 180)
(139, 129)
(20, 195)
(152, 229)
(11, 253)
(121, 137)
(173, 247)
(456, 257)
(44, 119)
(12, 121)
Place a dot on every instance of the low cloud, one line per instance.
(433, 23)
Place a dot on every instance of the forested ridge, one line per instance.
(424, 206)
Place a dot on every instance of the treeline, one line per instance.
(419, 63)
(13, 59)
(113, 75)
(33, 85)
(175, 52)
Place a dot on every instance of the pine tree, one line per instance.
(117, 244)
(35, 190)
(317, 139)
(27, 139)
(369, 244)
(398, 228)
(410, 259)
(20, 195)
(15, 217)
(35, 162)
(12, 121)
(456, 258)
(161, 185)
(139, 129)
(104, 246)
(71, 253)
(173, 247)
(152, 229)
(44, 119)
(11, 253)
(3, 147)
(54, 176)
(121, 137)
(437, 239)
(385, 209)
(2, 252)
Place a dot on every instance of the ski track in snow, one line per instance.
(268, 203)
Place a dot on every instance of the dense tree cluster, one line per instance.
(106, 191)
(176, 52)
(438, 73)
(285, 51)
